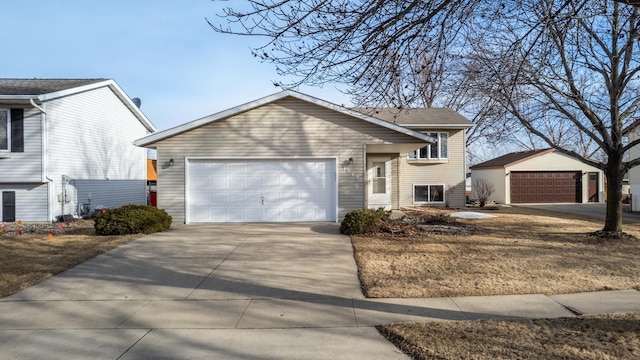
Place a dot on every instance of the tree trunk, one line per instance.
(613, 219)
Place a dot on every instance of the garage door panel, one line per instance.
(545, 187)
(261, 190)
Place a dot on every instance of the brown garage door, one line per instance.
(546, 186)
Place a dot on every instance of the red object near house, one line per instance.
(153, 199)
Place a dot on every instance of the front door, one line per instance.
(379, 182)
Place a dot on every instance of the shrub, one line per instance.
(363, 221)
(132, 219)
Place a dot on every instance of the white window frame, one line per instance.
(415, 155)
(8, 148)
(444, 194)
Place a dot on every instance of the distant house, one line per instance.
(540, 176)
(293, 157)
(66, 147)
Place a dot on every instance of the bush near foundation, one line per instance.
(363, 221)
(132, 219)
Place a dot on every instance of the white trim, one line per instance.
(150, 139)
(187, 160)
(444, 194)
(439, 126)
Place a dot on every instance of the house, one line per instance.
(540, 176)
(293, 157)
(66, 147)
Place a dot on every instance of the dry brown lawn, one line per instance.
(32, 257)
(595, 337)
(521, 251)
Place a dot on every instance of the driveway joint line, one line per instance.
(132, 314)
(217, 266)
(134, 344)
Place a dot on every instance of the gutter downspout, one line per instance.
(43, 156)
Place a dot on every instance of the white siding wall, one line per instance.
(499, 179)
(288, 127)
(450, 173)
(109, 193)
(25, 167)
(31, 201)
(90, 137)
(634, 173)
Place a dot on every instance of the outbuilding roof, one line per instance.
(511, 158)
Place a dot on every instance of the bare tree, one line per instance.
(564, 72)
(572, 81)
(482, 190)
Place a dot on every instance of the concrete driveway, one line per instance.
(596, 210)
(267, 291)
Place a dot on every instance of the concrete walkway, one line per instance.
(268, 291)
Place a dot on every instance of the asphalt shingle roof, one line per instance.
(510, 158)
(41, 86)
(417, 116)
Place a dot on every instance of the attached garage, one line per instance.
(261, 190)
(546, 187)
(540, 176)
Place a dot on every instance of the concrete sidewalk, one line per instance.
(239, 292)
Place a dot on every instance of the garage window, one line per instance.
(424, 194)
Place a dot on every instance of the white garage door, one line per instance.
(260, 190)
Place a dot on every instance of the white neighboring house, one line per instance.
(633, 133)
(540, 176)
(66, 148)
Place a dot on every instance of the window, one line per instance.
(428, 193)
(5, 130)
(437, 151)
(11, 130)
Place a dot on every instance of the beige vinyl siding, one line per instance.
(449, 173)
(31, 201)
(285, 128)
(21, 167)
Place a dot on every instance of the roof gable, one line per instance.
(268, 100)
(511, 158)
(43, 90)
(419, 117)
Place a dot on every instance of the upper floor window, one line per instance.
(5, 130)
(11, 130)
(436, 151)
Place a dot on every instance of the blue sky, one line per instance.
(162, 51)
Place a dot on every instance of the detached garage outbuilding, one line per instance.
(540, 176)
